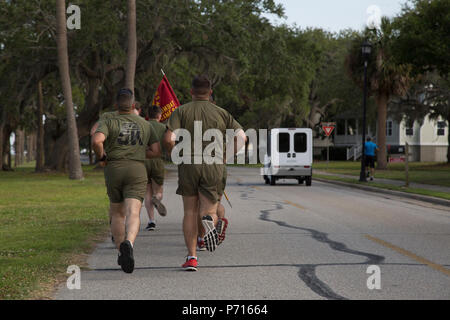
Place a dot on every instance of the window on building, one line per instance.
(441, 128)
(351, 127)
(340, 130)
(360, 126)
(409, 131)
(389, 128)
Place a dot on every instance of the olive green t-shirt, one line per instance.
(127, 137)
(108, 115)
(210, 115)
(160, 129)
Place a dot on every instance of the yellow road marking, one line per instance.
(295, 204)
(411, 255)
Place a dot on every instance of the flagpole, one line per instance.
(226, 197)
(162, 71)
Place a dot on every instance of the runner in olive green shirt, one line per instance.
(155, 173)
(199, 184)
(122, 143)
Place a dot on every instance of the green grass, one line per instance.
(419, 172)
(424, 192)
(46, 220)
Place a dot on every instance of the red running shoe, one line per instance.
(201, 245)
(190, 265)
(221, 227)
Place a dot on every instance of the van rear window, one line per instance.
(284, 142)
(300, 142)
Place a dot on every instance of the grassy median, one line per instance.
(424, 192)
(419, 172)
(46, 222)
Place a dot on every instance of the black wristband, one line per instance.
(103, 158)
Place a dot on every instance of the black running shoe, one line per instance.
(151, 226)
(126, 259)
(211, 237)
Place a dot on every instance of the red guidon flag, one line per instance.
(166, 99)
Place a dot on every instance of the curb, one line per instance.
(429, 199)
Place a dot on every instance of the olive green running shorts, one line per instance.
(125, 179)
(204, 178)
(155, 170)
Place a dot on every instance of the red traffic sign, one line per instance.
(328, 128)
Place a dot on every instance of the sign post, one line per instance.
(407, 165)
(328, 128)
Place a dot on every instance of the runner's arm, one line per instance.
(169, 140)
(239, 140)
(97, 144)
(154, 151)
(94, 128)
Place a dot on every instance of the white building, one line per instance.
(428, 142)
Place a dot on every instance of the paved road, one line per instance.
(286, 242)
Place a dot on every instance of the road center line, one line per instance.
(411, 255)
(294, 204)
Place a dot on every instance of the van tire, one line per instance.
(300, 180)
(272, 180)
(309, 181)
(266, 179)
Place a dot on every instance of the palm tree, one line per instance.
(132, 45)
(387, 78)
(75, 171)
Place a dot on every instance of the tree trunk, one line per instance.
(56, 152)
(6, 154)
(29, 143)
(75, 170)
(16, 149)
(19, 146)
(40, 131)
(132, 45)
(382, 100)
(91, 160)
(1, 144)
(22, 146)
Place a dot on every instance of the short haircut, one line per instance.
(201, 85)
(369, 139)
(137, 105)
(154, 112)
(124, 99)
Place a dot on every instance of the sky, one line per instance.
(336, 15)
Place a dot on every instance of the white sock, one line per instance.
(191, 257)
(199, 238)
(152, 221)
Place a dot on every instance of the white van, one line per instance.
(289, 155)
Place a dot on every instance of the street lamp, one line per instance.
(366, 50)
